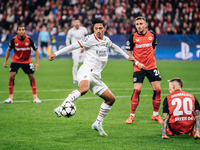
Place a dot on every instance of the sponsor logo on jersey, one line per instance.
(143, 45)
(26, 43)
(150, 38)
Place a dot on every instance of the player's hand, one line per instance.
(141, 66)
(52, 57)
(82, 50)
(36, 66)
(196, 136)
(131, 59)
(5, 65)
(165, 137)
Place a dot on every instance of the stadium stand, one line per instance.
(163, 16)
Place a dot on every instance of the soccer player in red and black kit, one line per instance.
(142, 45)
(180, 111)
(22, 59)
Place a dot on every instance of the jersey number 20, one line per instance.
(178, 103)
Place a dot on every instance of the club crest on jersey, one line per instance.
(150, 37)
(26, 43)
(16, 44)
(137, 40)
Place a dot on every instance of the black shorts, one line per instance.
(44, 44)
(27, 68)
(152, 75)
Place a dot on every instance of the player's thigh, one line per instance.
(84, 86)
(138, 77)
(153, 75)
(28, 68)
(14, 67)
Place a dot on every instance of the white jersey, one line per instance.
(75, 35)
(96, 55)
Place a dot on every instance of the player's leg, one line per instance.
(138, 79)
(109, 99)
(155, 78)
(84, 87)
(34, 88)
(75, 58)
(13, 71)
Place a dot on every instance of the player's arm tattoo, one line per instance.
(164, 125)
(196, 114)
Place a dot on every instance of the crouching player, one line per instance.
(180, 111)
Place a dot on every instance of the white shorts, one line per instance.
(77, 56)
(96, 85)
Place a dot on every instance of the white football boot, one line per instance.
(9, 100)
(57, 111)
(99, 128)
(37, 100)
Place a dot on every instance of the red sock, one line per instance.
(156, 100)
(34, 88)
(135, 100)
(11, 87)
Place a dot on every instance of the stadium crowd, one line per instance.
(163, 16)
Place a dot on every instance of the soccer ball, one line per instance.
(68, 110)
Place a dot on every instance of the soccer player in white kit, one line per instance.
(89, 74)
(75, 34)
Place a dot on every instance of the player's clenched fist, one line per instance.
(52, 57)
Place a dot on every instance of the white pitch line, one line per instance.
(112, 89)
(95, 97)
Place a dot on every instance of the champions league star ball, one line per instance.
(68, 110)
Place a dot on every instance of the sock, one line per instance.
(155, 113)
(156, 100)
(11, 87)
(133, 115)
(74, 95)
(34, 88)
(104, 109)
(135, 100)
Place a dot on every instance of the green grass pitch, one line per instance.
(25, 125)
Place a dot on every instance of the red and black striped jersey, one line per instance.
(22, 49)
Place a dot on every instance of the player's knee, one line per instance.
(12, 77)
(111, 100)
(31, 77)
(84, 90)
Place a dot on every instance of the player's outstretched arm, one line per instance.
(164, 126)
(66, 49)
(196, 113)
(6, 57)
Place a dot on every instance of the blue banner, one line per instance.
(182, 47)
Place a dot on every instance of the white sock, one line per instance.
(104, 109)
(74, 95)
(155, 113)
(133, 115)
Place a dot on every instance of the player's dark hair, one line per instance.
(98, 20)
(20, 26)
(179, 80)
(140, 18)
